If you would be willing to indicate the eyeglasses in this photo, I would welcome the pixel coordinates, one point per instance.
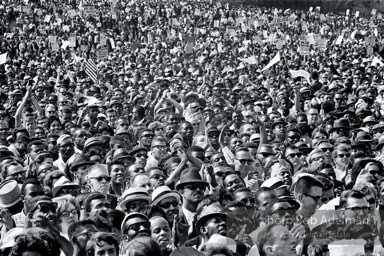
(245, 161)
(315, 198)
(136, 227)
(73, 192)
(327, 149)
(141, 155)
(214, 134)
(295, 155)
(66, 214)
(343, 155)
(99, 179)
(238, 142)
(195, 186)
(168, 204)
(148, 135)
(356, 210)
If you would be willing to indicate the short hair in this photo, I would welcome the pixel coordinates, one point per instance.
(32, 181)
(72, 228)
(232, 204)
(349, 193)
(34, 143)
(327, 182)
(143, 246)
(265, 190)
(159, 139)
(90, 197)
(195, 149)
(116, 217)
(215, 249)
(305, 183)
(98, 237)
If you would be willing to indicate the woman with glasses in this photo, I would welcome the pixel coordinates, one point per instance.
(67, 212)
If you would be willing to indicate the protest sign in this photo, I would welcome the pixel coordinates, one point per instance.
(102, 53)
(304, 47)
(3, 58)
(300, 73)
(275, 60)
(339, 39)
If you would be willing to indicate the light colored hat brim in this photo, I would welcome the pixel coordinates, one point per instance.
(10, 204)
(128, 199)
(170, 194)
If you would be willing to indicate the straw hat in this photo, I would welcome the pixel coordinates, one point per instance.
(133, 194)
(10, 193)
(163, 192)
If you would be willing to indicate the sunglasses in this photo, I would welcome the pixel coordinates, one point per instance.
(344, 155)
(73, 192)
(195, 186)
(295, 155)
(99, 179)
(327, 149)
(141, 155)
(168, 204)
(147, 135)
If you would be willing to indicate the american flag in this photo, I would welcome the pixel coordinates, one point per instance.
(91, 70)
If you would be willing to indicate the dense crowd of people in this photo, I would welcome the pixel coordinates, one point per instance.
(143, 128)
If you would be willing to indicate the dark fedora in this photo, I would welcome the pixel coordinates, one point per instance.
(278, 121)
(188, 176)
(212, 129)
(283, 193)
(341, 123)
(364, 137)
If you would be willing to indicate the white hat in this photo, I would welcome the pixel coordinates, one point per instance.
(163, 192)
(222, 241)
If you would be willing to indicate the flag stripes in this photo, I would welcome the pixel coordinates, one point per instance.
(91, 70)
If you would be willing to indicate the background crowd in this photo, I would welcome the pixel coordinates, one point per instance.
(142, 128)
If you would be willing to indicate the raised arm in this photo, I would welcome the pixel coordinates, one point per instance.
(19, 110)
